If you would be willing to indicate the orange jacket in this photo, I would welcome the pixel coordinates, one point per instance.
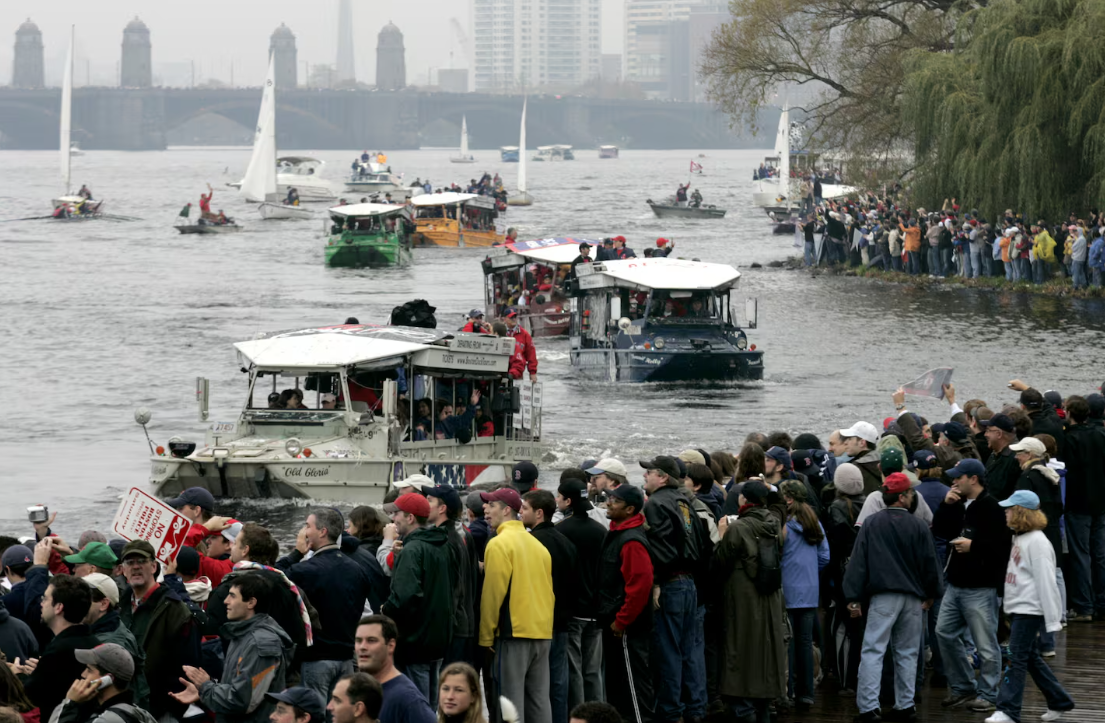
(912, 238)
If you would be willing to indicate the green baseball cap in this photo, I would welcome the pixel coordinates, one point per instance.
(95, 553)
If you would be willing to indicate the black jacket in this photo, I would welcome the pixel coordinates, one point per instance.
(673, 540)
(364, 554)
(481, 533)
(466, 570)
(1084, 455)
(338, 588)
(1046, 421)
(1045, 483)
(24, 602)
(1002, 473)
(565, 575)
(983, 522)
(16, 638)
(893, 553)
(587, 536)
(58, 668)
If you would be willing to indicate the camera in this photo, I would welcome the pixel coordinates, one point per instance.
(38, 513)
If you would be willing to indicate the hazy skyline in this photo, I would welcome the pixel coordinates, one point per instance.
(219, 36)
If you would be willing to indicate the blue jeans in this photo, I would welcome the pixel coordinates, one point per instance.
(947, 265)
(322, 675)
(975, 255)
(1024, 657)
(425, 678)
(934, 261)
(929, 639)
(1078, 272)
(892, 619)
(965, 264)
(1086, 541)
(1041, 271)
(914, 259)
(1010, 271)
(973, 609)
(558, 676)
(1095, 274)
(896, 262)
(808, 253)
(678, 653)
(800, 653)
(987, 255)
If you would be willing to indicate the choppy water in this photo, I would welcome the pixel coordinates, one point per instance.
(100, 318)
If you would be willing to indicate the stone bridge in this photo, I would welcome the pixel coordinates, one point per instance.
(124, 119)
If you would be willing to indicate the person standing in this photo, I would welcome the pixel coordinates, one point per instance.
(623, 608)
(583, 258)
(445, 508)
(893, 571)
(357, 698)
(1002, 470)
(104, 622)
(1084, 455)
(675, 536)
(528, 350)
(1032, 602)
(421, 601)
(516, 609)
(375, 649)
(972, 521)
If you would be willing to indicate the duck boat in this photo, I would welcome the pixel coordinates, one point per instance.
(455, 220)
(374, 436)
(369, 234)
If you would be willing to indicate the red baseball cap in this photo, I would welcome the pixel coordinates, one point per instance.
(507, 495)
(412, 503)
(896, 482)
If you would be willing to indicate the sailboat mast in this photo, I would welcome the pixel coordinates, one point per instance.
(66, 113)
(522, 151)
(464, 136)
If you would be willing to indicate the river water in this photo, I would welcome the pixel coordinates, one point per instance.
(102, 317)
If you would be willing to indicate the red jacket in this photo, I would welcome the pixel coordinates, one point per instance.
(518, 360)
(528, 350)
(197, 533)
(215, 570)
(637, 571)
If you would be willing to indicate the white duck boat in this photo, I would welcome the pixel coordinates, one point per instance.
(521, 197)
(465, 156)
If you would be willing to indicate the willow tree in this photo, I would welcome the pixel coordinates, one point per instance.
(1015, 116)
(848, 53)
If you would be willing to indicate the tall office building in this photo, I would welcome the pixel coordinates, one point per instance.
(282, 48)
(391, 63)
(136, 70)
(27, 68)
(522, 44)
(347, 71)
(664, 40)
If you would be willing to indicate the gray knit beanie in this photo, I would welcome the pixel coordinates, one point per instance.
(848, 479)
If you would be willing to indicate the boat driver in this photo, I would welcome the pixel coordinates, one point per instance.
(583, 258)
(329, 401)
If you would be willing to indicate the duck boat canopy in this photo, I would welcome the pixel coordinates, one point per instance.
(657, 273)
(452, 198)
(552, 251)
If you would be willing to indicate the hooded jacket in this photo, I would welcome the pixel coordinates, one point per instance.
(110, 629)
(363, 554)
(1097, 254)
(120, 709)
(868, 464)
(421, 598)
(1044, 245)
(1079, 249)
(1046, 421)
(1044, 481)
(16, 638)
(257, 661)
(517, 599)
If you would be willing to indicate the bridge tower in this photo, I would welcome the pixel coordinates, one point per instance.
(282, 48)
(391, 64)
(347, 70)
(27, 69)
(136, 70)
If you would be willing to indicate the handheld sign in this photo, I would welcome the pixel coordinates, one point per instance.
(144, 517)
(930, 384)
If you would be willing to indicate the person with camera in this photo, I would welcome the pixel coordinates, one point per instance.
(102, 694)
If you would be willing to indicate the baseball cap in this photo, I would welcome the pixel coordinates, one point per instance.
(418, 482)
(327, 397)
(140, 548)
(303, 698)
(610, 465)
(924, 459)
(629, 494)
(587, 464)
(1001, 421)
(1031, 398)
(524, 475)
(188, 561)
(661, 242)
(1022, 498)
(231, 533)
(891, 459)
(572, 489)
(507, 495)
(970, 467)
(896, 482)
(1029, 444)
(585, 245)
(17, 555)
(1054, 398)
(511, 312)
(197, 496)
(412, 503)
(667, 465)
(108, 658)
(475, 314)
(692, 456)
(94, 553)
(864, 430)
(780, 455)
(954, 431)
(105, 585)
(448, 495)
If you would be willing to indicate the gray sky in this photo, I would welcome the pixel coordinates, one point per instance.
(218, 34)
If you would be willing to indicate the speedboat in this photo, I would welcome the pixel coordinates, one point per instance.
(205, 227)
(373, 177)
(554, 153)
(509, 154)
(529, 276)
(369, 234)
(304, 175)
(376, 433)
(659, 320)
(670, 208)
(608, 151)
(455, 220)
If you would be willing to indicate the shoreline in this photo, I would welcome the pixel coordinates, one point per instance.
(1056, 287)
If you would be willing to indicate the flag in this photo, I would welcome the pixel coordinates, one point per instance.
(696, 167)
(930, 384)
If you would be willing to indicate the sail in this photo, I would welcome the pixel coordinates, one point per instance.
(463, 137)
(782, 146)
(66, 113)
(522, 152)
(259, 183)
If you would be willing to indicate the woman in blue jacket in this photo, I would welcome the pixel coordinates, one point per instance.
(805, 554)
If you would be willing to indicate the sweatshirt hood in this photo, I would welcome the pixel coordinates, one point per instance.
(1051, 475)
(430, 534)
(238, 628)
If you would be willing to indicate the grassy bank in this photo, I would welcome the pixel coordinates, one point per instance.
(1057, 286)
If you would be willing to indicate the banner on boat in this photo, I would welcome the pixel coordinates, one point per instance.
(144, 517)
(930, 384)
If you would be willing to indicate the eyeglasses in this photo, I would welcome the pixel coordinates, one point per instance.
(133, 561)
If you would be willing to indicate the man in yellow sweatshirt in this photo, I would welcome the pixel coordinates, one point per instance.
(516, 610)
(1044, 247)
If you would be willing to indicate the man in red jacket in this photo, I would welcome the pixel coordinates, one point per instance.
(624, 587)
(528, 351)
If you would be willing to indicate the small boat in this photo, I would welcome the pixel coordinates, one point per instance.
(77, 207)
(373, 177)
(373, 436)
(202, 227)
(369, 234)
(783, 222)
(281, 211)
(670, 209)
(553, 153)
(436, 220)
(529, 276)
(521, 197)
(74, 150)
(509, 154)
(608, 151)
(660, 320)
(771, 193)
(305, 175)
(465, 156)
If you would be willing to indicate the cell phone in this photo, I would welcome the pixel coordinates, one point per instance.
(38, 513)
(731, 518)
(104, 682)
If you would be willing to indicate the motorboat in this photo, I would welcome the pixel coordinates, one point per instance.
(521, 196)
(369, 234)
(670, 208)
(305, 175)
(377, 432)
(509, 154)
(75, 150)
(455, 220)
(373, 177)
(660, 320)
(465, 156)
(206, 227)
(554, 153)
(530, 277)
(70, 206)
(284, 211)
(608, 151)
(772, 193)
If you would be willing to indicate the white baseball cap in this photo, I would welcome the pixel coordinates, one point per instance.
(105, 585)
(864, 430)
(610, 465)
(417, 481)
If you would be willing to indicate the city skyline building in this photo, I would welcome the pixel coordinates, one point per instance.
(28, 68)
(391, 62)
(136, 68)
(664, 42)
(347, 71)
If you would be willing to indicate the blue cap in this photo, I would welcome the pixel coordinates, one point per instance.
(924, 459)
(780, 455)
(969, 467)
(1022, 498)
(197, 496)
(630, 494)
(306, 699)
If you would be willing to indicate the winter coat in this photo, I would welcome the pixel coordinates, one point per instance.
(338, 587)
(1079, 249)
(587, 535)
(983, 521)
(58, 668)
(24, 602)
(257, 662)
(1044, 481)
(565, 573)
(753, 652)
(912, 238)
(16, 638)
(802, 564)
(466, 569)
(1084, 454)
(120, 709)
(946, 457)
(421, 600)
(671, 533)
(164, 628)
(893, 554)
(529, 350)
(624, 585)
(379, 583)
(517, 599)
(868, 464)
(1002, 473)
(1097, 254)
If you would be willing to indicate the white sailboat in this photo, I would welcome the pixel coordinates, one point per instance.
(465, 156)
(521, 197)
(67, 198)
(780, 193)
(259, 184)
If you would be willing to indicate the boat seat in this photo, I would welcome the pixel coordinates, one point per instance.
(360, 407)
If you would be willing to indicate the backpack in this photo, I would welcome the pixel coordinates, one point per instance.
(769, 570)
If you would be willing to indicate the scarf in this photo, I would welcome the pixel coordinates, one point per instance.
(247, 565)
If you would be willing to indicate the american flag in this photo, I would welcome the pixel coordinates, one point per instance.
(452, 475)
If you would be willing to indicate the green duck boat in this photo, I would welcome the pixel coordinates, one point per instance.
(369, 234)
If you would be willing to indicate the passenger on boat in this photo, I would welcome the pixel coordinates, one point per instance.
(62, 211)
(292, 399)
(329, 401)
(448, 423)
(85, 193)
(606, 251)
(529, 351)
(365, 157)
(293, 197)
(475, 323)
(274, 401)
(621, 251)
(698, 309)
(583, 258)
(222, 219)
(696, 199)
(663, 247)
(205, 204)
(186, 211)
(681, 195)
(417, 183)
